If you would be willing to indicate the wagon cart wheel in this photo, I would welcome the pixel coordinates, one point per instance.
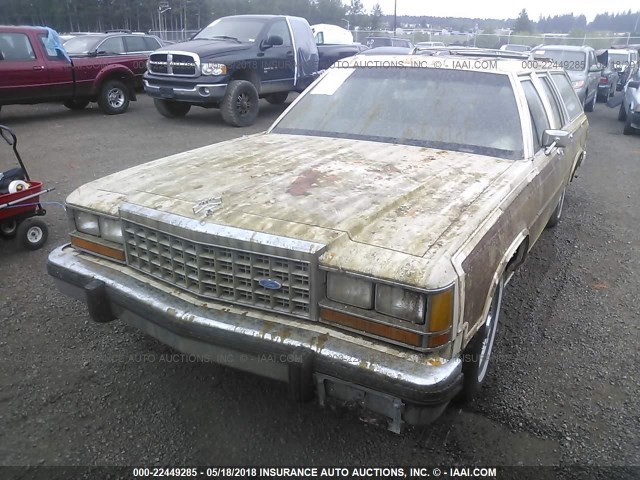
(33, 233)
(477, 355)
(8, 228)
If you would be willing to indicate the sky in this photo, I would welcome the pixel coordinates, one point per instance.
(503, 9)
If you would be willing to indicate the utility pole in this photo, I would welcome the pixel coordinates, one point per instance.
(395, 17)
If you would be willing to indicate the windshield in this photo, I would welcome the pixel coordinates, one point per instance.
(82, 44)
(459, 110)
(237, 28)
(567, 59)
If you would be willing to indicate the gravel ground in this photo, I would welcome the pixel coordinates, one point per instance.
(563, 388)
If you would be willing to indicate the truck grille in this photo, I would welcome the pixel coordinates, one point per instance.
(173, 64)
(220, 273)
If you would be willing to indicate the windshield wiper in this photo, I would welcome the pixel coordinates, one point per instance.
(225, 37)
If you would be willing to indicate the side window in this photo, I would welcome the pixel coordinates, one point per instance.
(538, 114)
(555, 107)
(571, 101)
(52, 53)
(151, 43)
(135, 43)
(280, 29)
(320, 38)
(112, 45)
(15, 47)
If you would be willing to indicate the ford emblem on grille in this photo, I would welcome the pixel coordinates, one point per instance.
(270, 284)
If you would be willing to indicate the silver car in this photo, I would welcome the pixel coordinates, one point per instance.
(581, 64)
(630, 107)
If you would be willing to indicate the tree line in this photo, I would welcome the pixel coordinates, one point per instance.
(143, 15)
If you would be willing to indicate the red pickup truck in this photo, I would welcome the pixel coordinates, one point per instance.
(33, 70)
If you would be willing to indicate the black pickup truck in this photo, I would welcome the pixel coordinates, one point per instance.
(234, 62)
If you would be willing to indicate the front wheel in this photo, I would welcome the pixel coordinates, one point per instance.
(114, 97)
(33, 233)
(628, 129)
(171, 108)
(277, 98)
(76, 104)
(240, 104)
(591, 106)
(477, 355)
(557, 213)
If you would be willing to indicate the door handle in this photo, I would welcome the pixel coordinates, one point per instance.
(38, 67)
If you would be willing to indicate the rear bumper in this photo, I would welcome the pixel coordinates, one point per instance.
(401, 386)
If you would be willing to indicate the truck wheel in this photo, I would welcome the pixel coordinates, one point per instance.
(628, 129)
(277, 98)
(477, 355)
(240, 104)
(170, 108)
(33, 233)
(622, 113)
(557, 213)
(76, 104)
(114, 97)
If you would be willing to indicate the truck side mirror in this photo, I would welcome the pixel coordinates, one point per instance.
(555, 138)
(272, 41)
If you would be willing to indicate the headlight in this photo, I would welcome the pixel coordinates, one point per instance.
(213, 69)
(577, 83)
(110, 230)
(87, 223)
(401, 303)
(354, 291)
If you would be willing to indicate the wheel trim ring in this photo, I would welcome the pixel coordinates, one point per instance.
(34, 234)
(487, 344)
(115, 97)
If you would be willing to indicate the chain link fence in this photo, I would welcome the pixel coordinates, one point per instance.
(174, 35)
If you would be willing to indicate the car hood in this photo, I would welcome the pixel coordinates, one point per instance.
(404, 199)
(206, 48)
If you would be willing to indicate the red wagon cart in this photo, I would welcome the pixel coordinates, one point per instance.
(20, 202)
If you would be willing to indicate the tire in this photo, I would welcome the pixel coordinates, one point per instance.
(171, 109)
(622, 113)
(277, 98)
(8, 228)
(628, 129)
(557, 213)
(240, 104)
(33, 233)
(114, 97)
(591, 106)
(477, 355)
(76, 104)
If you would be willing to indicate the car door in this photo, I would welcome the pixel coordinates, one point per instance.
(59, 71)
(135, 44)
(278, 61)
(23, 76)
(593, 77)
(551, 166)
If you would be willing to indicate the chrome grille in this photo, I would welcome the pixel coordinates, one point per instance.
(173, 64)
(218, 272)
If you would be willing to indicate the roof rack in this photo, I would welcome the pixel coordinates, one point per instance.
(471, 52)
(118, 30)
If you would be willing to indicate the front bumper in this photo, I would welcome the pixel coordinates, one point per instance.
(315, 360)
(200, 93)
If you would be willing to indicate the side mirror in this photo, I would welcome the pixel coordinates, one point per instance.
(634, 84)
(272, 41)
(555, 138)
(596, 68)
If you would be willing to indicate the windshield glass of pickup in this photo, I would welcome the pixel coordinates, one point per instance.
(567, 59)
(458, 110)
(82, 44)
(232, 28)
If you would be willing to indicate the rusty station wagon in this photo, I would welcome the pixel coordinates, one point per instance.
(357, 250)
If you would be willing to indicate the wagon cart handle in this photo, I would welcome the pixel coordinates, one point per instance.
(11, 139)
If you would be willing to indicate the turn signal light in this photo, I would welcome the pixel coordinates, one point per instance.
(100, 249)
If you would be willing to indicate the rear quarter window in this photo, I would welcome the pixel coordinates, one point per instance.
(16, 47)
(151, 43)
(569, 97)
